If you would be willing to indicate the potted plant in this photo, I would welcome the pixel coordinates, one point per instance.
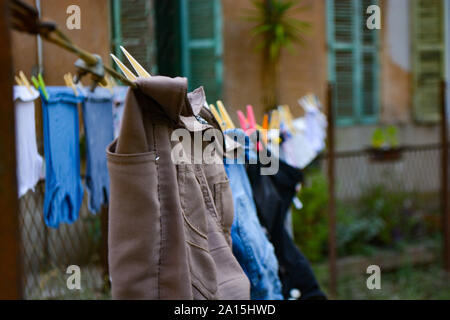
(385, 146)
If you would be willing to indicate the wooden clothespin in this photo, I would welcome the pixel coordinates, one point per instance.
(136, 66)
(69, 82)
(18, 81)
(107, 85)
(130, 75)
(274, 127)
(113, 82)
(25, 81)
(287, 117)
(225, 116)
(218, 118)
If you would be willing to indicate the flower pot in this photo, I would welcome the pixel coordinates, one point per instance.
(385, 154)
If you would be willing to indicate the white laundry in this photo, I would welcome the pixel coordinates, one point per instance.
(29, 161)
(315, 124)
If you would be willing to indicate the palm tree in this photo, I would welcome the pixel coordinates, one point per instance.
(276, 29)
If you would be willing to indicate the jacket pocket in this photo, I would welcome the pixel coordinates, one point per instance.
(134, 228)
(223, 199)
(202, 266)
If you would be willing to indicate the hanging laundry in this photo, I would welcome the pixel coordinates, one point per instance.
(169, 224)
(120, 92)
(315, 123)
(99, 131)
(250, 245)
(273, 196)
(296, 150)
(29, 161)
(63, 187)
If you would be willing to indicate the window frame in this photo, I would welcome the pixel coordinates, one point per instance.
(357, 48)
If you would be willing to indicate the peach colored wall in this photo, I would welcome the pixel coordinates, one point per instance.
(94, 36)
(301, 72)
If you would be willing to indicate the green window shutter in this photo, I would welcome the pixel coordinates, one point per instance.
(369, 68)
(353, 61)
(428, 58)
(201, 35)
(342, 71)
(116, 26)
(133, 28)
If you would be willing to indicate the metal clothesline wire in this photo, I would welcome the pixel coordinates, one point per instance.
(26, 19)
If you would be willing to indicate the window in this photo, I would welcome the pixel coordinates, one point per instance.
(132, 27)
(201, 45)
(428, 58)
(353, 61)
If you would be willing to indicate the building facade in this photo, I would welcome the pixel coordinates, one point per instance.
(386, 76)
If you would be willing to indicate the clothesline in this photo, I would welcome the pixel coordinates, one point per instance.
(26, 19)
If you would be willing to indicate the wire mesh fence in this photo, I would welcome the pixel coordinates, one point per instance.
(48, 252)
(411, 169)
(387, 198)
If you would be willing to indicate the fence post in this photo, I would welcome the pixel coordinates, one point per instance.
(10, 264)
(104, 247)
(444, 175)
(331, 196)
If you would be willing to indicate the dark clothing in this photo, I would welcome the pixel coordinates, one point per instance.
(273, 196)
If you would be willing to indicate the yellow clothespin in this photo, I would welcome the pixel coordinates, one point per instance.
(69, 82)
(25, 81)
(288, 118)
(65, 80)
(225, 116)
(107, 85)
(219, 119)
(136, 66)
(112, 82)
(274, 127)
(18, 81)
(130, 76)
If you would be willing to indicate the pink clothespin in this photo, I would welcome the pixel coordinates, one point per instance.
(251, 119)
(252, 125)
(243, 121)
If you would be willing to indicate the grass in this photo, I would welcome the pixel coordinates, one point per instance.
(406, 283)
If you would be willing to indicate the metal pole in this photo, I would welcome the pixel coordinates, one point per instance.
(10, 264)
(331, 196)
(444, 182)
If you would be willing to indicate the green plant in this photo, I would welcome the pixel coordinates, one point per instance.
(310, 222)
(386, 137)
(276, 28)
(391, 136)
(378, 138)
(355, 233)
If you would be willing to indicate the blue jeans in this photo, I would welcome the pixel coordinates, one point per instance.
(250, 245)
